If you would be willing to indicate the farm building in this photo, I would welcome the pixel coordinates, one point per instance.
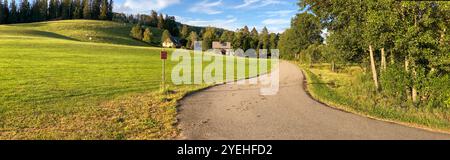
(222, 46)
(171, 42)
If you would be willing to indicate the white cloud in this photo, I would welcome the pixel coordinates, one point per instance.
(277, 25)
(276, 21)
(280, 13)
(229, 23)
(206, 7)
(143, 6)
(258, 3)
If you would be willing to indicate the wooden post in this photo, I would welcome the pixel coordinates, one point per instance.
(408, 90)
(333, 67)
(392, 57)
(163, 74)
(413, 89)
(383, 60)
(374, 69)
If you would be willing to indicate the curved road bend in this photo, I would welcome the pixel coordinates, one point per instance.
(239, 112)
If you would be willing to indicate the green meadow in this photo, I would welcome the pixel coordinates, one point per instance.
(82, 79)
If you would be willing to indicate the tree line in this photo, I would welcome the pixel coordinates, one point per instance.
(405, 45)
(187, 35)
(241, 38)
(44, 10)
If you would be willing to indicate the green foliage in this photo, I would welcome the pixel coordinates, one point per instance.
(313, 54)
(14, 15)
(184, 32)
(166, 35)
(434, 89)
(394, 82)
(87, 10)
(43, 10)
(136, 32)
(411, 32)
(351, 90)
(148, 36)
(2, 13)
(208, 37)
(305, 30)
(104, 10)
(77, 9)
(191, 39)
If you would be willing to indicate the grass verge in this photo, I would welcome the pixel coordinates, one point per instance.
(350, 90)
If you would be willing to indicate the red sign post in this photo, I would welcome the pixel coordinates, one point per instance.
(163, 58)
(163, 55)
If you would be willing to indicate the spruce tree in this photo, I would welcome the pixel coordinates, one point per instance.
(14, 15)
(95, 12)
(43, 9)
(52, 9)
(34, 11)
(1, 13)
(5, 11)
(110, 9)
(161, 22)
(87, 9)
(25, 11)
(103, 10)
(66, 8)
(77, 9)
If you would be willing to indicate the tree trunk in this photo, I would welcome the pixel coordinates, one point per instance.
(333, 66)
(413, 89)
(408, 89)
(383, 60)
(392, 57)
(374, 69)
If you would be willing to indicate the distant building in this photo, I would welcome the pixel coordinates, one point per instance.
(222, 46)
(171, 42)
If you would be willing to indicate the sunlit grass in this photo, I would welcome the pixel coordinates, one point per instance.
(352, 90)
(55, 86)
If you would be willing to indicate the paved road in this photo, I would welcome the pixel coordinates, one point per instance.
(239, 112)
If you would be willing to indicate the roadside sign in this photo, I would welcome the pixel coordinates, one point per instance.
(164, 55)
(163, 58)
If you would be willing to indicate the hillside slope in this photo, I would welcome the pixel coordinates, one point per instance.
(78, 30)
(55, 83)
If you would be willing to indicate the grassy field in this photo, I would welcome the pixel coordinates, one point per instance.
(77, 30)
(351, 90)
(57, 84)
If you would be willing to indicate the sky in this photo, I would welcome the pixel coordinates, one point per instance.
(227, 14)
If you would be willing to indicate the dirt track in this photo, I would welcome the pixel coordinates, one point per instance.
(239, 112)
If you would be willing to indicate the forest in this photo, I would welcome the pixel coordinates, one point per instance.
(403, 47)
(45, 10)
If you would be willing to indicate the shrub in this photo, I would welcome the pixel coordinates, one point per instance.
(136, 32)
(435, 91)
(394, 82)
(148, 36)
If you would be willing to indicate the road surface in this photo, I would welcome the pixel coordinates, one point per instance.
(239, 112)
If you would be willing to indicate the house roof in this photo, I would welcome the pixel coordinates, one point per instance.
(174, 40)
(221, 45)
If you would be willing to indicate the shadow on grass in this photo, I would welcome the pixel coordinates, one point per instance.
(47, 34)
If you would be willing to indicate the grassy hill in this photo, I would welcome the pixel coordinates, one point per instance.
(57, 84)
(78, 30)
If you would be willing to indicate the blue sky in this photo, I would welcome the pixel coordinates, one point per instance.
(228, 14)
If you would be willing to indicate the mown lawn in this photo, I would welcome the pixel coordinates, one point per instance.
(352, 90)
(58, 87)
